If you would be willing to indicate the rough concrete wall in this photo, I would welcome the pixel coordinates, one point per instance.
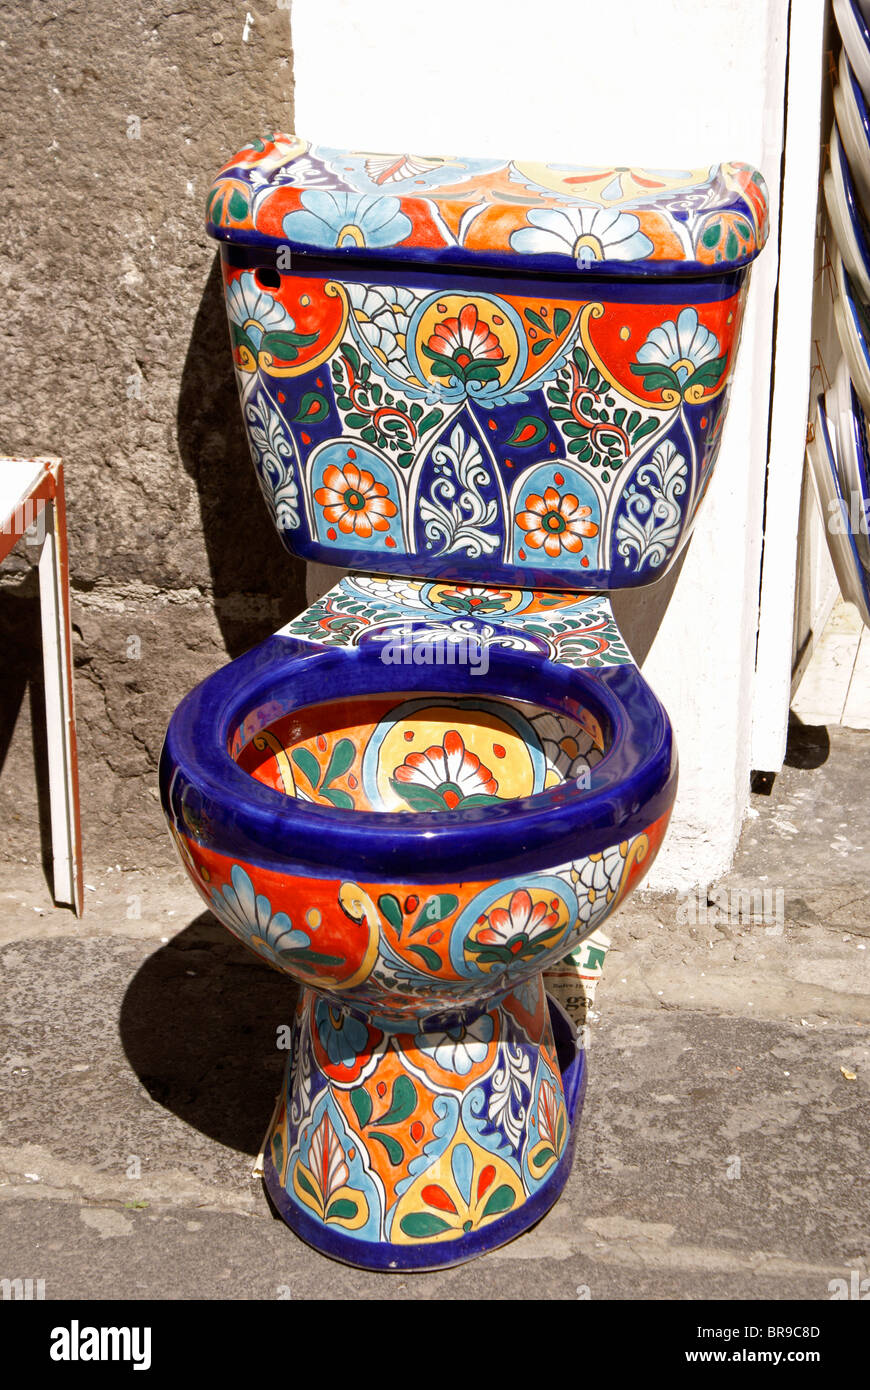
(116, 119)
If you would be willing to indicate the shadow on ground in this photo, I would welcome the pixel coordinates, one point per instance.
(199, 1026)
(808, 745)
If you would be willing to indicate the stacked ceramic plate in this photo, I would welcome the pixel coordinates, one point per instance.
(839, 454)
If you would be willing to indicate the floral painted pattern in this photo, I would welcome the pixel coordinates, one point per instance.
(415, 1113)
(522, 929)
(458, 1048)
(446, 776)
(382, 313)
(249, 915)
(472, 1191)
(342, 1036)
(585, 234)
(262, 331)
(680, 355)
(556, 522)
(352, 500)
(314, 196)
(347, 219)
(322, 1185)
(551, 1123)
(465, 347)
(570, 750)
(618, 184)
(578, 629)
(599, 878)
(488, 437)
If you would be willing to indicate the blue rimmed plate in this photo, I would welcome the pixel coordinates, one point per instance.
(851, 429)
(853, 123)
(853, 330)
(856, 39)
(847, 220)
(824, 467)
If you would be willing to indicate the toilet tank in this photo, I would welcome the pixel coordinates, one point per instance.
(482, 370)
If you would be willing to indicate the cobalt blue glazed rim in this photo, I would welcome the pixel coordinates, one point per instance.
(207, 795)
(397, 1259)
(470, 270)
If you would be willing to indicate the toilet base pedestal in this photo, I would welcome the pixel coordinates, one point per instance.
(403, 1149)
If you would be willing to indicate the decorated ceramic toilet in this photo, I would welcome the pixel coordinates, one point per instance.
(492, 392)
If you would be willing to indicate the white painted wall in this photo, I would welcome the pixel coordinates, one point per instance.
(666, 84)
(807, 73)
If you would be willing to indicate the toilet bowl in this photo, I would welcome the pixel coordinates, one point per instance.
(493, 393)
(414, 844)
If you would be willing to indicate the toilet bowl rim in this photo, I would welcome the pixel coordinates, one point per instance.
(208, 796)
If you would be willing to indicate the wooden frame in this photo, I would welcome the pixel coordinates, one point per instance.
(32, 490)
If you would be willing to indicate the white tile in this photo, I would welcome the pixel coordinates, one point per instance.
(821, 695)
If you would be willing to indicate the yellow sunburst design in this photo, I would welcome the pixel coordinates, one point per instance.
(495, 742)
(512, 598)
(449, 306)
(435, 1209)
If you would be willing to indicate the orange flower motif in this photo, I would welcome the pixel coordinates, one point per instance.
(447, 775)
(465, 339)
(351, 498)
(521, 922)
(556, 522)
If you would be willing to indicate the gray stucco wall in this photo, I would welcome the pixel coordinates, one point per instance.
(116, 119)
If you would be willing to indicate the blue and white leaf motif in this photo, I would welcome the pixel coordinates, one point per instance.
(458, 521)
(511, 1079)
(650, 529)
(274, 459)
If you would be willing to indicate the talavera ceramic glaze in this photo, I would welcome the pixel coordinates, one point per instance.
(493, 391)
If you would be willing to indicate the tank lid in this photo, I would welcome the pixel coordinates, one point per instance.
(510, 215)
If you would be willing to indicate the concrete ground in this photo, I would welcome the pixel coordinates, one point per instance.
(722, 1151)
